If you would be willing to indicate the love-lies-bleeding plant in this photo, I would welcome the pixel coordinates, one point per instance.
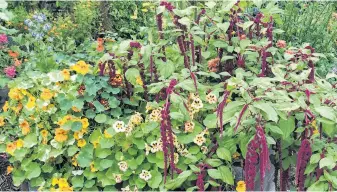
(253, 158)
(167, 133)
(304, 154)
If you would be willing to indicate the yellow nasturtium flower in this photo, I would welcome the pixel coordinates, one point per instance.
(66, 74)
(10, 148)
(46, 94)
(5, 107)
(81, 67)
(15, 94)
(241, 186)
(31, 102)
(107, 135)
(2, 121)
(81, 143)
(19, 143)
(139, 81)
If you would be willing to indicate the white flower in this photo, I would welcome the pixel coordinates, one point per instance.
(211, 98)
(119, 126)
(199, 139)
(136, 119)
(147, 149)
(118, 178)
(204, 149)
(189, 127)
(126, 189)
(176, 158)
(123, 166)
(145, 175)
(155, 146)
(197, 104)
(155, 115)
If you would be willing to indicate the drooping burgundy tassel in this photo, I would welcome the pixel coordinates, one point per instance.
(219, 111)
(312, 72)
(127, 83)
(303, 158)
(259, 143)
(101, 68)
(251, 163)
(243, 110)
(167, 134)
(270, 32)
(264, 64)
(192, 49)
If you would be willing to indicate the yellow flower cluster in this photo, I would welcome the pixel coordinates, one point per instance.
(25, 128)
(61, 135)
(81, 67)
(62, 184)
(11, 147)
(241, 186)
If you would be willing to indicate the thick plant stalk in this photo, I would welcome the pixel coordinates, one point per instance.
(159, 19)
(303, 155)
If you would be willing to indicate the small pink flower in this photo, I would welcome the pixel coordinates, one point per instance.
(281, 44)
(10, 71)
(3, 39)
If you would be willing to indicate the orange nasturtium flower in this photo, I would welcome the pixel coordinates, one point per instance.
(25, 127)
(61, 135)
(10, 148)
(13, 54)
(9, 169)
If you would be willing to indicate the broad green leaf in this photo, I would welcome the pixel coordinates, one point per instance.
(327, 112)
(223, 26)
(327, 162)
(155, 180)
(177, 182)
(287, 126)
(226, 175)
(268, 111)
(100, 118)
(224, 153)
(33, 170)
(210, 121)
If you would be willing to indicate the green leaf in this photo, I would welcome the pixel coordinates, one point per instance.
(33, 170)
(106, 163)
(214, 162)
(185, 21)
(30, 140)
(224, 153)
(210, 4)
(268, 111)
(327, 112)
(327, 162)
(214, 173)
(100, 118)
(72, 150)
(155, 180)
(287, 126)
(210, 121)
(102, 153)
(131, 75)
(77, 181)
(177, 182)
(223, 26)
(76, 126)
(319, 186)
(226, 175)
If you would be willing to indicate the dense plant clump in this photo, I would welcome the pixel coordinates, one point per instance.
(206, 88)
